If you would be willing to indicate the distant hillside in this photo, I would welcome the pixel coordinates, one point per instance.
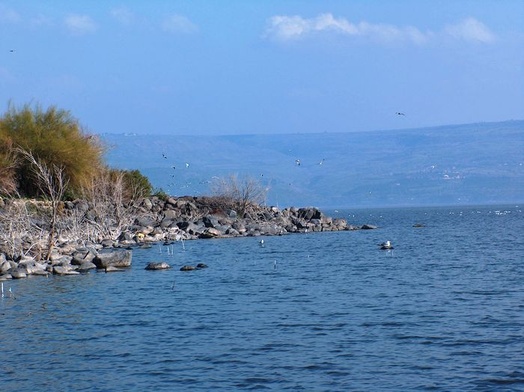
(456, 164)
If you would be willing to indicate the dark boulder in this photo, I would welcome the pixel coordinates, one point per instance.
(187, 268)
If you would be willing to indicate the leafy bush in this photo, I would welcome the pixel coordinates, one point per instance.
(161, 194)
(136, 184)
(54, 138)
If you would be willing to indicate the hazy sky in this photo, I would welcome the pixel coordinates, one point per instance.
(272, 66)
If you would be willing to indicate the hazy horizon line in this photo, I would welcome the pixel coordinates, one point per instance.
(310, 133)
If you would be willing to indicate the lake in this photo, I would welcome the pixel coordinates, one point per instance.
(442, 311)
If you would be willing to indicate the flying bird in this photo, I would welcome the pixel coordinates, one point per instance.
(400, 114)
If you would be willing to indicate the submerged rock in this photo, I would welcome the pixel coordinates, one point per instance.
(187, 268)
(157, 266)
(111, 268)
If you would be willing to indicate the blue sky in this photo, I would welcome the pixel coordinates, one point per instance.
(274, 66)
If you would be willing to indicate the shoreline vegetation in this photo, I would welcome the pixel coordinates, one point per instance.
(102, 237)
(64, 211)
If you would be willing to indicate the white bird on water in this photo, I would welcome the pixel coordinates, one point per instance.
(386, 245)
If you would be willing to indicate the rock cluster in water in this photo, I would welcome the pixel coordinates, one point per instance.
(163, 220)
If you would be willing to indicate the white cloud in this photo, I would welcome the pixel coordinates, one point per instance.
(292, 28)
(41, 21)
(472, 30)
(178, 24)
(80, 24)
(8, 15)
(286, 28)
(123, 15)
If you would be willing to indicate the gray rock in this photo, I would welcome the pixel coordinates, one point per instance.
(145, 221)
(187, 268)
(83, 255)
(167, 222)
(239, 226)
(6, 266)
(86, 266)
(119, 259)
(40, 273)
(63, 270)
(147, 204)
(157, 266)
(107, 243)
(18, 273)
(30, 267)
(113, 269)
(232, 232)
(210, 221)
(171, 214)
(210, 233)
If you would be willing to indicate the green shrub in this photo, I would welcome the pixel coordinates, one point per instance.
(136, 184)
(53, 137)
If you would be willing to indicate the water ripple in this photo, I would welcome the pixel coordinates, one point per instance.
(333, 313)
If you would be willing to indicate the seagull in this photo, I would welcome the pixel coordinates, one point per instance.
(164, 155)
(187, 165)
(386, 245)
(297, 162)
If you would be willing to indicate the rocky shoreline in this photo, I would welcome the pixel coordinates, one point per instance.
(152, 220)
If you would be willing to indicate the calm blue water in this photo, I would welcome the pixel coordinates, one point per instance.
(312, 312)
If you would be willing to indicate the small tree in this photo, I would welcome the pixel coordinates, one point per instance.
(52, 183)
(239, 193)
(111, 210)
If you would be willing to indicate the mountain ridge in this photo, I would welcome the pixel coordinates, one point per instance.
(479, 163)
